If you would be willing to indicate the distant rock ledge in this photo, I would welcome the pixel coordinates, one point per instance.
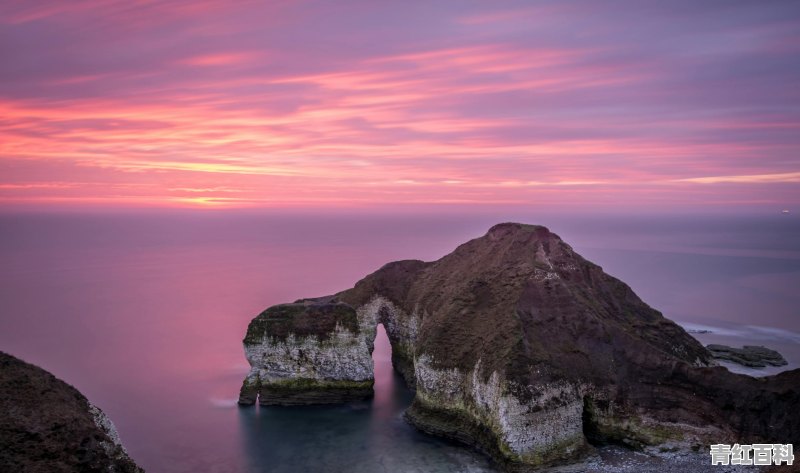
(522, 349)
(47, 426)
(750, 356)
(698, 330)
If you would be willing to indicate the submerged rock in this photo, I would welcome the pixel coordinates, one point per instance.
(520, 347)
(749, 355)
(48, 426)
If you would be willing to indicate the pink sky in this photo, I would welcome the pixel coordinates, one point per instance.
(626, 104)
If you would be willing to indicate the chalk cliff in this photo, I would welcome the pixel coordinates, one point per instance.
(520, 347)
(48, 426)
(309, 352)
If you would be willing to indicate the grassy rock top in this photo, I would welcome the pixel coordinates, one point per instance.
(302, 319)
(524, 303)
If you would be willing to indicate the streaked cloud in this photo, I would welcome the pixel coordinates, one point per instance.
(359, 103)
(788, 177)
(221, 59)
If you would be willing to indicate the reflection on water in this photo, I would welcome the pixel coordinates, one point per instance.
(369, 436)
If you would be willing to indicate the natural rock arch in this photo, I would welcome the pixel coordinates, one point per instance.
(520, 347)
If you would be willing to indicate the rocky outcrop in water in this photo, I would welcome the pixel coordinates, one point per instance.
(309, 352)
(520, 347)
(751, 356)
(47, 426)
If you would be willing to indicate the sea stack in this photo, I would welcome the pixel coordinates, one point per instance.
(521, 348)
(47, 426)
(309, 352)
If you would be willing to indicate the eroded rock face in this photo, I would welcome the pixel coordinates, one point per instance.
(520, 347)
(309, 352)
(48, 426)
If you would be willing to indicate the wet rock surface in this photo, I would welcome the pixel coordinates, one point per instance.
(48, 426)
(521, 348)
(751, 356)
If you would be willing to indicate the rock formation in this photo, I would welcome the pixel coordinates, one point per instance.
(749, 355)
(309, 352)
(520, 347)
(47, 426)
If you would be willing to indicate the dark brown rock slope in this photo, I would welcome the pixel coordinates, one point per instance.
(522, 348)
(47, 426)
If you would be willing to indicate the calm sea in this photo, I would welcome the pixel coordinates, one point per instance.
(144, 313)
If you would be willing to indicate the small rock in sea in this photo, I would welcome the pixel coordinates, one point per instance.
(749, 355)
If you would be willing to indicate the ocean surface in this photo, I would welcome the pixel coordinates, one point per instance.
(145, 313)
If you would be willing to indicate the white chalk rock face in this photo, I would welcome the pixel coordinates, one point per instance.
(309, 352)
(526, 423)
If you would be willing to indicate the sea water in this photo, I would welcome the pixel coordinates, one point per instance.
(145, 312)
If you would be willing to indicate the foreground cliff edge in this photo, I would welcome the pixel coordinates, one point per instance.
(520, 347)
(48, 426)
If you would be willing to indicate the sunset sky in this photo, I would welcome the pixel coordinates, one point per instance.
(583, 104)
